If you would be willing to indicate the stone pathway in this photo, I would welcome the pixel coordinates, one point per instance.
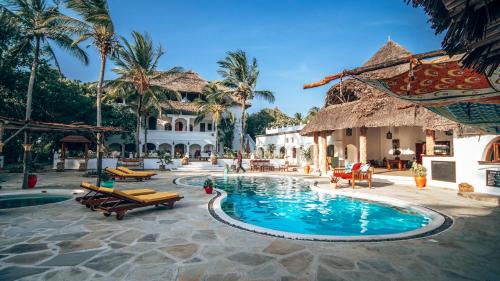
(66, 241)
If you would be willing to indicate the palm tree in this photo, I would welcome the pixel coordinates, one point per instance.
(312, 113)
(298, 117)
(96, 26)
(216, 103)
(136, 65)
(39, 26)
(241, 79)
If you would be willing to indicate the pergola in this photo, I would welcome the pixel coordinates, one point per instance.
(36, 126)
(74, 139)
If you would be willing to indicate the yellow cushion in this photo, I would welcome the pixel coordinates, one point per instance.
(157, 196)
(89, 186)
(141, 191)
(132, 172)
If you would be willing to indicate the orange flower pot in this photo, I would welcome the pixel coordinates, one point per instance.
(307, 169)
(420, 181)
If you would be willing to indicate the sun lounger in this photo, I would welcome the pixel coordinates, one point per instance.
(120, 202)
(94, 196)
(117, 174)
(132, 172)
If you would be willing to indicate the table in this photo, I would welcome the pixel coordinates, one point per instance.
(400, 163)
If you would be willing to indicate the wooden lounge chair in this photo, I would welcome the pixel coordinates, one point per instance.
(119, 175)
(354, 176)
(132, 172)
(94, 196)
(120, 202)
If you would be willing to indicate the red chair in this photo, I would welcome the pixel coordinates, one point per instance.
(354, 175)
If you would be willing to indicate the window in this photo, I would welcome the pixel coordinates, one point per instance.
(209, 127)
(152, 123)
(179, 126)
(168, 127)
(202, 127)
(493, 151)
(191, 127)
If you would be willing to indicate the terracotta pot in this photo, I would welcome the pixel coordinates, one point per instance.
(32, 179)
(421, 181)
(208, 189)
(307, 169)
(213, 160)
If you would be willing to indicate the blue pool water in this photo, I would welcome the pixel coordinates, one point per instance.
(284, 204)
(25, 200)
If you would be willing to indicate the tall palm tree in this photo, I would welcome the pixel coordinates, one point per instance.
(136, 65)
(312, 113)
(298, 117)
(215, 103)
(39, 26)
(240, 77)
(96, 26)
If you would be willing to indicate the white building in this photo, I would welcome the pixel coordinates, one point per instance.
(175, 130)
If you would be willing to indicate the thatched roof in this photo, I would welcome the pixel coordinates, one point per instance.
(370, 107)
(187, 82)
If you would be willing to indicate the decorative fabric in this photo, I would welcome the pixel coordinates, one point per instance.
(457, 93)
(364, 168)
(348, 167)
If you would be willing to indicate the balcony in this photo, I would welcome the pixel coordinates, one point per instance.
(162, 136)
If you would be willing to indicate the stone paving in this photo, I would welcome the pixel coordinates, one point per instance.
(66, 241)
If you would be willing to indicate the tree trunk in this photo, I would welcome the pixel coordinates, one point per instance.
(242, 119)
(146, 124)
(216, 139)
(138, 129)
(100, 139)
(29, 99)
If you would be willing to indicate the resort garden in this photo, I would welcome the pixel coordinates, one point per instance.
(152, 172)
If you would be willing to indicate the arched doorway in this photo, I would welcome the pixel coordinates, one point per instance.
(492, 151)
(282, 152)
(180, 124)
(352, 153)
(165, 147)
(294, 152)
(330, 150)
(208, 148)
(152, 123)
(151, 147)
(115, 147)
(195, 151)
(179, 150)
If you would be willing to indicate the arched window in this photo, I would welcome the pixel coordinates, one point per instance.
(330, 150)
(493, 151)
(294, 152)
(179, 126)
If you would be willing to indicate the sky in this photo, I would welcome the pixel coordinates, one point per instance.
(294, 41)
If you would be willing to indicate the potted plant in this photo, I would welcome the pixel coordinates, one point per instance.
(164, 160)
(226, 168)
(213, 159)
(334, 181)
(106, 180)
(306, 153)
(420, 173)
(32, 179)
(185, 160)
(208, 185)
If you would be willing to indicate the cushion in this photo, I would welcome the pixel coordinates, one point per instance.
(364, 168)
(356, 166)
(348, 167)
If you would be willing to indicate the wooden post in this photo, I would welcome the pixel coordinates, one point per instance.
(63, 152)
(26, 158)
(363, 150)
(322, 153)
(430, 141)
(315, 151)
(100, 148)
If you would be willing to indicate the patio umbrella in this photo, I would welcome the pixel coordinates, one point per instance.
(446, 88)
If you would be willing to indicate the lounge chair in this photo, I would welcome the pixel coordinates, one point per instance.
(94, 196)
(120, 202)
(132, 172)
(355, 175)
(119, 175)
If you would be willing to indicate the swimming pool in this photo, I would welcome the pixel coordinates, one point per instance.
(32, 199)
(288, 207)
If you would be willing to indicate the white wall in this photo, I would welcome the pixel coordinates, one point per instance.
(468, 151)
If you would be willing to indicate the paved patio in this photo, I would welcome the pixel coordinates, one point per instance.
(66, 241)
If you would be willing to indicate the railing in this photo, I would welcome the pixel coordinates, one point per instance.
(179, 135)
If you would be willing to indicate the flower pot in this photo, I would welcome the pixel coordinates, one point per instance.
(307, 169)
(208, 189)
(108, 184)
(421, 181)
(32, 179)
(213, 160)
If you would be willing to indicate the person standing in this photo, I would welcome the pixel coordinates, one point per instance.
(240, 162)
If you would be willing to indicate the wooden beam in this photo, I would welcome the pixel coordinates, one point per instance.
(363, 69)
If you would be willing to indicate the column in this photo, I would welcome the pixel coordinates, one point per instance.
(188, 124)
(363, 150)
(315, 151)
(322, 153)
(173, 123)
(430, 141)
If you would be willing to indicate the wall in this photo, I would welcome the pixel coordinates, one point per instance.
(468, 151)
